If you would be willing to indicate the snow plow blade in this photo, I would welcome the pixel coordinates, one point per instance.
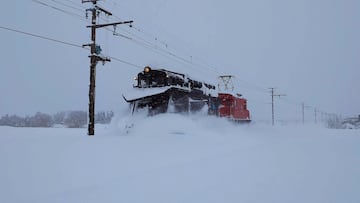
(171, 99)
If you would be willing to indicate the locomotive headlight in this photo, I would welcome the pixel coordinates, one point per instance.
(147, 69)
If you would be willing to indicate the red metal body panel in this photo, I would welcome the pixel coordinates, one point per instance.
(233, 107)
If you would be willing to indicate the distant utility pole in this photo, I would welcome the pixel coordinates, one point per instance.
(303, 112)
(95, 57)
(272, 102)
(303, 106)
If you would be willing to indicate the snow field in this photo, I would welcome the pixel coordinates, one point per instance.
(178, 158)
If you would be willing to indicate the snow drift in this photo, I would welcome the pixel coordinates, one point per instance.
(179, 158)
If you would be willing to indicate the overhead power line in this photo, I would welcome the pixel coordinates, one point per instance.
(126, 62)
(67, 5)
(164, 51)
(41, 37)
(148, 41)
(65, 43)
(56, 8)
(76, 4)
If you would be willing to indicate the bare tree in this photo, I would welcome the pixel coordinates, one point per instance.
(59, 117)
(76, 119)
(41, 120)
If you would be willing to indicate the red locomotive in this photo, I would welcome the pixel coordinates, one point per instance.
(227, 104)
(233, 107)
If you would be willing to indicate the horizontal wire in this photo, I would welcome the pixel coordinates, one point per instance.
(66, 5)
(56, 8)
(144, 43)
(65, 43)
(42, 37)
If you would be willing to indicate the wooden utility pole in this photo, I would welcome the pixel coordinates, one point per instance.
(95, 57)
(272, 103)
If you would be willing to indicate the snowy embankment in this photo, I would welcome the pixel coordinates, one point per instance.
(175, 158)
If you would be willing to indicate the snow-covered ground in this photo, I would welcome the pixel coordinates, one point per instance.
(177, 158)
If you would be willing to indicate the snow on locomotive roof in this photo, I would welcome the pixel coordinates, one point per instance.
(184, 76)
(171, 73)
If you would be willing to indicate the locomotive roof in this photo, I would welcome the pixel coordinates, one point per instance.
(167, 71)
(184, 76)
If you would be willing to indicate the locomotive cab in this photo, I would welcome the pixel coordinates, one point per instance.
(150, 78)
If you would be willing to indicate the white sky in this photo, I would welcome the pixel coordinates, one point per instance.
(307, 49)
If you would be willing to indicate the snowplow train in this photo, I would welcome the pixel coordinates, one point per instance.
(161, 91)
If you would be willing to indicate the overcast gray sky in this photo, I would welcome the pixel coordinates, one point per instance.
(307, 49)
